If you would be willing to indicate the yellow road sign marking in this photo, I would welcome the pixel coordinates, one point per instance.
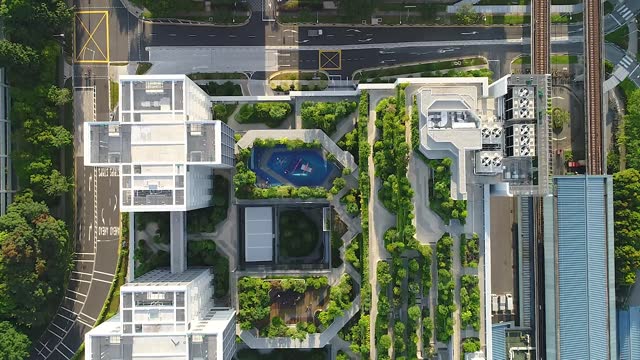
(330, 59)
(104, 50)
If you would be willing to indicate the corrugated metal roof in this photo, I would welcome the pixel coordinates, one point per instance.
(629, 334)
(582, 268)
(499, 339)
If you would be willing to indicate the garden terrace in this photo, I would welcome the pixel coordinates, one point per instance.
(470, 302)
(406, 279)
(293, 307)
(445, 307)
(325, 115)
(300, 164)
(270, 113)
(285, 236)
(470, 250)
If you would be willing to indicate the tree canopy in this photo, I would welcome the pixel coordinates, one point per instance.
(13, 344)
(34, 259)
(626, 202)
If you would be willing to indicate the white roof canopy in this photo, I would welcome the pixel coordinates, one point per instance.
(258, 234)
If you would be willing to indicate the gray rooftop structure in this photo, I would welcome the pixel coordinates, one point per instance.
(579, 269)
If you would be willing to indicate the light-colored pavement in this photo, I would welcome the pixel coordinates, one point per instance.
(379, 218)
(516, 9)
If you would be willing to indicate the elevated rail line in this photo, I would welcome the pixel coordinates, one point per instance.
(593, 43)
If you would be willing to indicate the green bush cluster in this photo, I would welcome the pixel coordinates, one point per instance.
(470, 302)
(470, 345)
(391, 154)
(159, 218)
(421, 68)
(351, 200)
(203, 253)
(440, 200)
(147, 260)
(356, 332)
(340, 297)
(255, 303)
(227, 88)
(290, 144)
(392, 158)
(352, 252)
(223, 111)
(445, 307)
(338, 184)
(361, 347)
(626, 204)
(325, 115)
(270, 113)
(470, 250)
(206, 219)
(349, 142)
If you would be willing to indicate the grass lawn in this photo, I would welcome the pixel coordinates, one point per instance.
(420, 68)
(223, 115)
(566, 19)
(142, 68)
(619, 37)
(555, 59)
(114, 93)
(627, 87)
(298, 234)
(216, 76)
(509, 19)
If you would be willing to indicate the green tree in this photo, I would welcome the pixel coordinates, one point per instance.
(467, 15)
(626, 204)
(58, 96)
(34, 22)
(559, 118)
(13, 344)
(34, 260)
(17, 57)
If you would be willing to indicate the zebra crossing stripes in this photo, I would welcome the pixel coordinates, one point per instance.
(626, 61)
(624, 11)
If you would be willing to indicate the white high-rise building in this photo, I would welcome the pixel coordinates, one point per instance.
(164, 144)
(166, 316)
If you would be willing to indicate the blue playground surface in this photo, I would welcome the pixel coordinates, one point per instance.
(300, 167)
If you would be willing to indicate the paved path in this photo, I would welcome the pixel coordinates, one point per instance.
(379, 218)
(516, 9)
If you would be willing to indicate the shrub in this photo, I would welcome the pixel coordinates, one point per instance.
(325, 115)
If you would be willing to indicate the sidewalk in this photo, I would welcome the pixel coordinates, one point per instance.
(515, 9)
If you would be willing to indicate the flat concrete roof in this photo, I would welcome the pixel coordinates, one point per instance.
(258, 234)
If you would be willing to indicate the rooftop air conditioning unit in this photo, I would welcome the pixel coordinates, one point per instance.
(195, 156)
(486, 133)
(496, 132)
(486, 161)
(523, 92)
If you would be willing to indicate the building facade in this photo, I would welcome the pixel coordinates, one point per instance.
(166, 316)
(580, 321)
(164, 144)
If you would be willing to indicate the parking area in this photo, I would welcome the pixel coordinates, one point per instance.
(503, 253)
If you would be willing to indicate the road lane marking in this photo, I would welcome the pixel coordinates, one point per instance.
(104, 281)
(102, 272)
(330, 59)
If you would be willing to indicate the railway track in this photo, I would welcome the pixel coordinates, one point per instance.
(541, 44)
(593, 85)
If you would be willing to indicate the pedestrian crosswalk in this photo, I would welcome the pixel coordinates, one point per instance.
(624, 11)
(626, 61)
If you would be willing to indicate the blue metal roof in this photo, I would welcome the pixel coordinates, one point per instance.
(583, 301)
(629, 334)
(499, 341)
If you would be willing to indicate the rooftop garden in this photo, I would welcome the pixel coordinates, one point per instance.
(470, 250)
(292, 307)
(325, 115)
(286, 169)
(270, 113)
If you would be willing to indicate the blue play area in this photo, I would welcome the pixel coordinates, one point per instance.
(300, 167)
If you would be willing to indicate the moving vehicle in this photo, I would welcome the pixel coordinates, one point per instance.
(509, 303)
(494, 303)
(315, 32)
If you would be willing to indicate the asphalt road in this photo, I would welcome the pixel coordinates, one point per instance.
(97, 213)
